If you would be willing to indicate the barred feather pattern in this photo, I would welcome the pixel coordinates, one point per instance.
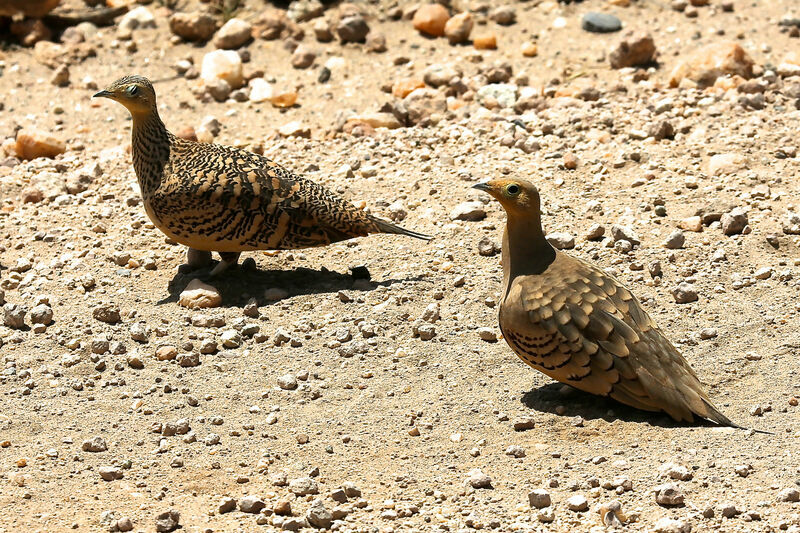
(219, 198)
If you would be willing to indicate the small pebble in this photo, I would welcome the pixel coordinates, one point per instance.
(675, 240)
(684, 293)
(168, 521)
(668, 494)
(515, 451)
(478, 480)
(577, 503)
(789, 495)
(546, 515)
(561, 240)
(729, 510)
(539, 498)
(303, 486)
(251, 504)
(486, 41)
(600, 22)
(487, 334)
(524, 424)
(95, 444)
(287, 382)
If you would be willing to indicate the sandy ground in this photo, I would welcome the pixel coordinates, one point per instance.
(401, 419)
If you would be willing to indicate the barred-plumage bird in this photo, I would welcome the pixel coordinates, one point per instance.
(215, 198)
(580, 326)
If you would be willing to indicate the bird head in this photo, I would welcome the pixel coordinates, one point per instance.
(136, 93)
(518, 197)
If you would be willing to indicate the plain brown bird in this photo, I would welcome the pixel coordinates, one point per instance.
(580, 326)
(215, 198)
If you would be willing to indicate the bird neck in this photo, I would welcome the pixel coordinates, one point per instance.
(150, 149)
(525, 248)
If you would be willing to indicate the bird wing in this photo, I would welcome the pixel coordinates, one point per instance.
(238, 195)
(580, 326)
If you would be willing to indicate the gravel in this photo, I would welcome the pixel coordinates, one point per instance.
(391, 365)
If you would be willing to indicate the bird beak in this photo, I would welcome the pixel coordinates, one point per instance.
(482, 186)
(103, 94)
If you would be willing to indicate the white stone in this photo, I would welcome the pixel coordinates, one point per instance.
(303, 486)
(287, 382)
(786, 70)
(223, 65)
(546, 515)
(539, 498)
(260, 90)
(674, 471)
(478, 480)
(763, 273)
(231, 339)
(721, 164)
(789, 495)
(668, 494)
(251, 504)
(791, 226)
(377, 120)
(295, 129)
(233, 34)
(561, 240)
(504, 93)
(139, 17)
(670, 525)
(487, 334)
(471, 211)
(577, 503)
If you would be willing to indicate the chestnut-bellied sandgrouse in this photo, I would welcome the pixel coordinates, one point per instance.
(580, 326)
(215, 198)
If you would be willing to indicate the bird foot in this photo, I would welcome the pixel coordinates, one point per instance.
(197, 259)
(227, 260)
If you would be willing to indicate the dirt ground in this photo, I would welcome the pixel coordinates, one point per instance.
(325, 400)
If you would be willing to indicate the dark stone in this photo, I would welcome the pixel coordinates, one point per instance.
(352, 29)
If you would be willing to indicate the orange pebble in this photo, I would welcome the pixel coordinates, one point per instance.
(485, 42)
(404, 87)
(430, 19)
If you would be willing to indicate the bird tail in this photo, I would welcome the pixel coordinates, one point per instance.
(385, 226)
(714, 415)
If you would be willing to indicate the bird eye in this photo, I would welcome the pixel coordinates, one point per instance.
(513, 189)
(133, 90)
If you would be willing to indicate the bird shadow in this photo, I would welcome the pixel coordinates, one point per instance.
(565, 401)
(238, 285)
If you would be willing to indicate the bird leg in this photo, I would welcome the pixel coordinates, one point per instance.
(197, 258)
(227, 259)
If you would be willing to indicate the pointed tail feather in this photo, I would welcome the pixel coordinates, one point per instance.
(714, 415)
(385, 226)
